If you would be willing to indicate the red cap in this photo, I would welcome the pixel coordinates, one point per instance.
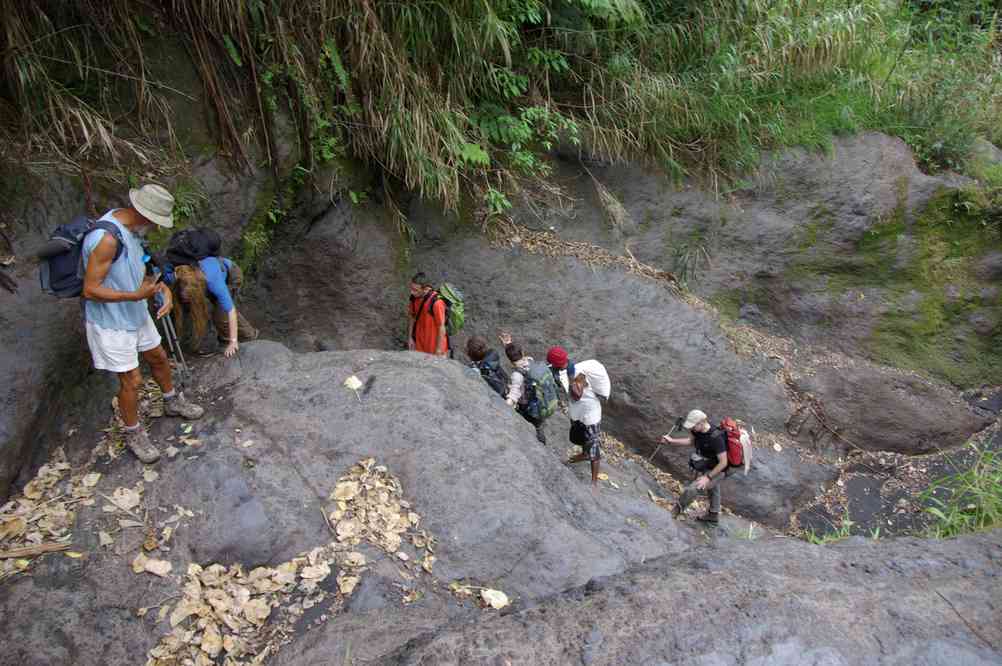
(557, 357)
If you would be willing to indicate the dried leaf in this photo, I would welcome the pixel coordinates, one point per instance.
(345, 490)
(353, 383)
(12, 527)
(150, 475)
(318, 572)
(105, 539)
(212, 642)
(91, 479)
(171, 451)
(428, 562)
(777, 447)
(125, 498)
(256, 610)
(602, 476)
(346, 584)
(156, 567)
(73, 554)
(347, 529)
(494, 598)
(354, 559)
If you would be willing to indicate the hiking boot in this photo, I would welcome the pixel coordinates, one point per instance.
(710, 518)
(179, 406)
(139, 443)
(540, 435)
(676, 511)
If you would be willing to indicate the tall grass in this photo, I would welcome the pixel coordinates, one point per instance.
(967, 501)
(455, 94)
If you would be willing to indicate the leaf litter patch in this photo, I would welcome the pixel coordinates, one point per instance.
(239, 618)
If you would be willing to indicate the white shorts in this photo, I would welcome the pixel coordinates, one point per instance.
(118, 351)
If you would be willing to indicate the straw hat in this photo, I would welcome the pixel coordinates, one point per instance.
(154, 203)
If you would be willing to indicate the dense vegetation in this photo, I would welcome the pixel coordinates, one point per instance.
(458, 95)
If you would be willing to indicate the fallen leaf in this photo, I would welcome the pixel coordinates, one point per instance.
(156, 567)
(428, 562)
(256, 610)
(403, 556)
(150, 475)
(91, 479)
(346, 584)
(12, 527)
(318, 572)
(494, 598)
(353, 383)
(212, 642)
(777, 447)
(354, 559)
(412, 596)
(125, 523)
(171, 451)
(249, 442)
(125, 498)
(602, 476)
(105, 539)
(73, 554)
(345, 490)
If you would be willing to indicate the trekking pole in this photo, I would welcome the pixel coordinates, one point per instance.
(177, 344)
(678, 424)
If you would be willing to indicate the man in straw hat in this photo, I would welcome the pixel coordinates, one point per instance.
(118, 322)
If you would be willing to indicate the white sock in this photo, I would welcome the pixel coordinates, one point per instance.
(171, 395)
(133, 428)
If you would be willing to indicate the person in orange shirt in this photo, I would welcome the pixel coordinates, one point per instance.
(427, 319)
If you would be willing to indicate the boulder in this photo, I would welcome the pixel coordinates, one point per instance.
(878, 409)
(257, 473)
(778, 601)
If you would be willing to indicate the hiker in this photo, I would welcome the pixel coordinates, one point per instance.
(709, 461)
(561, 366)
(488, 363)
(590, 382)
(427, 318)
(531, 388)
(207, 287)
(119, 326)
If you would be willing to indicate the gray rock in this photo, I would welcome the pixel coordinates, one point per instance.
(990, 266)
(781, 601)
(881, 410)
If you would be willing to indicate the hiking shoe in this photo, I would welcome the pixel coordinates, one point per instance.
(540, 436)
(139, 443)
(676, 511)
(710, 518)
(179, 406)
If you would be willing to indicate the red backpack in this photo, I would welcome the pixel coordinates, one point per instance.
(735, 449)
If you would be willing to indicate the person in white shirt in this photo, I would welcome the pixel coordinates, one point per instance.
(517, 395)
(590, 383)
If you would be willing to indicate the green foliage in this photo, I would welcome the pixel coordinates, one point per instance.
(472, 94)
(842, 531)
(968, 501)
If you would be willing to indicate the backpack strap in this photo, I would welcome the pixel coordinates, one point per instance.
(116, 233)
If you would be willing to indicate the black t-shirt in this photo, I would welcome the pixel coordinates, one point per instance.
(710, 444)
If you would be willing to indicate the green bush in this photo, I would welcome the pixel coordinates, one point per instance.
(967, 501)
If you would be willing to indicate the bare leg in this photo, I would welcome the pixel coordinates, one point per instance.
(594, 472)
(160, 366)
(128, 396)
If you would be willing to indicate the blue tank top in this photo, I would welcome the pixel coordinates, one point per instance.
(125, 274)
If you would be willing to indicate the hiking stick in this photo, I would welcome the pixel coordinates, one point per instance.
(678, 424)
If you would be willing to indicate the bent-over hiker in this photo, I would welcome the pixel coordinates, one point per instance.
(427, 318)
(709, 461)
(119, 326)
(488, 363)
(590, 383)
(208, 287)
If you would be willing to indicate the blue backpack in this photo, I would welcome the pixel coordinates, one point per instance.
(61, 271)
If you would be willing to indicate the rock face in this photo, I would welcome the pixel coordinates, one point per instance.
(43, 355)
(590, 572)
(504, 510)
(768, 602)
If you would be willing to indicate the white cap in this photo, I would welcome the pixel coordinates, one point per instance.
(154, 203)
(694, 417)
